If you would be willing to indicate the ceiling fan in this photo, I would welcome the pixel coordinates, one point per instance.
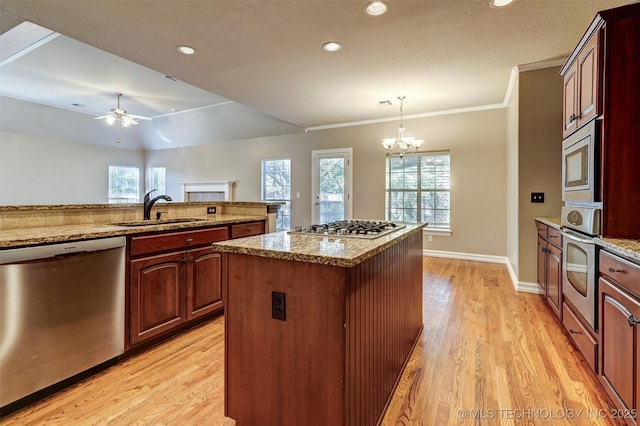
(121, 116)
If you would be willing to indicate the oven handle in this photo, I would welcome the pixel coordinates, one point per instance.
(576, 237)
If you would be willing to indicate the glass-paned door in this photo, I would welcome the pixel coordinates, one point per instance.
(331, 180)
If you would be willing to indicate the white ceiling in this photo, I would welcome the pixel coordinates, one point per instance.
(260, 70)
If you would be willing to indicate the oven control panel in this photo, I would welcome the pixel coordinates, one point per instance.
(582, 219)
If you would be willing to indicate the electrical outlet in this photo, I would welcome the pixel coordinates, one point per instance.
(278, 306)
(537, 197)
(211, 210)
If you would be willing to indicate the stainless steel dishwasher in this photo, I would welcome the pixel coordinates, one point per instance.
(61, 312)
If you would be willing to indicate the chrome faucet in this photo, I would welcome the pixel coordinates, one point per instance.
(149, 202)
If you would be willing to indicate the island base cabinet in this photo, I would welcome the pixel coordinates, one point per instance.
(335, 357)
(620, 348)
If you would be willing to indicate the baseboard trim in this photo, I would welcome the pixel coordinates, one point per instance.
(523, 286)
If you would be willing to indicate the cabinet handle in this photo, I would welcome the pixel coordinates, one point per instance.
(544, 249)
(189, 240)
(191, 259)
(632, 321)
(615, 270)
(574, 331)
(184, 259)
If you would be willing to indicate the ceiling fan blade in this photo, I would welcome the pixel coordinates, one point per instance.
(139, 117)
(102, 117)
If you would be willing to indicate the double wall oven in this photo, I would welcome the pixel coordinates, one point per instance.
(579, 281)
(580, 220)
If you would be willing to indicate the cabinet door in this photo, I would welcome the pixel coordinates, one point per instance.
(204, 282)
(554, 279)
(618, 342)
(570, 107)
(588, 83)
(542, 265)
(156, 295)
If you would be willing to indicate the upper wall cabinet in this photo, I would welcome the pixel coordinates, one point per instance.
(602, 80)
(581, 86)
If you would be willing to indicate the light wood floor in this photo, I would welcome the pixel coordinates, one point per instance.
(488, 355)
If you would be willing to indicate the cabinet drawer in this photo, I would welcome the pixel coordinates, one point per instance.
(621, 271)
(542, 230)
(176, 240)
(247, 229)
(580, 336)
(554, 237)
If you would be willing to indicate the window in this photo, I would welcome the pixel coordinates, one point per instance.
(156, 179)
(276, 186)
(124, 184)
(418, 189)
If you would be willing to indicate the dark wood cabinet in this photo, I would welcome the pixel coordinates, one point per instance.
(619, 331)
(174, 278)
(601, 81)
(204, 282)
(554, 279)
(156, 295)
(581, 87)
(550, 266)
(247, 229)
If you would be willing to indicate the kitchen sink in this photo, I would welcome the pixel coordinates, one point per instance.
(159, 221)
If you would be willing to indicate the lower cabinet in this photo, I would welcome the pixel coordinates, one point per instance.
(174, 278)
(157, 295)
(619, 298)
(550, 266)
(204, 282)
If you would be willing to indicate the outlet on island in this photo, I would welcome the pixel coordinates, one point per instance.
(211, 210)
(278, 306)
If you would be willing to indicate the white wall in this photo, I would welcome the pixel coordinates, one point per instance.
(39, 170)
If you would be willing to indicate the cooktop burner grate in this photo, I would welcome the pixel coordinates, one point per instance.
(349, 228)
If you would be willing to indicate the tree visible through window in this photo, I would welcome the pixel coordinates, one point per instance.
(124, 184)
(156, 180)
(276, 186)
(418, 189)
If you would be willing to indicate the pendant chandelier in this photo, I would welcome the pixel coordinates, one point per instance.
(400, 145)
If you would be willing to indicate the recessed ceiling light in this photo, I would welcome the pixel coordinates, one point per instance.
(501, 3)
(331, 46)
(376, 8)
(186, 50)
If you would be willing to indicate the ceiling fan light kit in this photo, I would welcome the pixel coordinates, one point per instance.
(121, 117)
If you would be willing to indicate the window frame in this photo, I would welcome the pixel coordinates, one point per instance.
(151, 171)
(283, 220)
(125, 200)
(431, 228)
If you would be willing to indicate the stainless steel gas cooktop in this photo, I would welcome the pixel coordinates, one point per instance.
(349, 229)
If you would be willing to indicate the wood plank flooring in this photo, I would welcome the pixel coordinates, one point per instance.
(488, 355)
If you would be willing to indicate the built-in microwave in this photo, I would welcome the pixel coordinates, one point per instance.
(580, 171)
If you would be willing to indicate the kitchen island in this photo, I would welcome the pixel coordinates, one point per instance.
(318, 328)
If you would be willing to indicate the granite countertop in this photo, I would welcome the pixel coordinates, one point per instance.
(13, 238)
(623, 247)
(629, 249)
(328, 250)
(31, 207)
